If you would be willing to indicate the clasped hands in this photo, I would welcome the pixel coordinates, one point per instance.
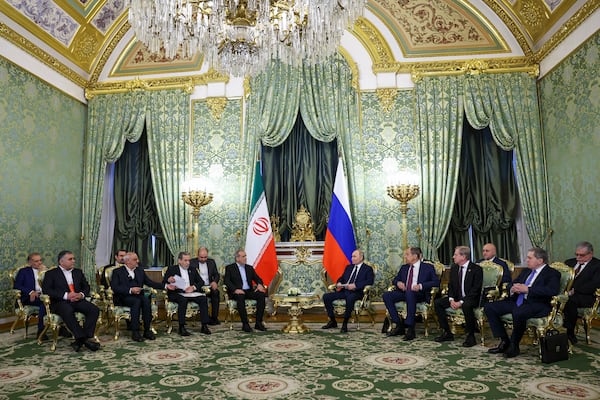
(349, 286)
(259, 288)
(519, 288)
(74, 296)
(402, 286)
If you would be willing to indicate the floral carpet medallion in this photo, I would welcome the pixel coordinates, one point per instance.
(353, 385)
(262, 387)
(179, 380)
(173, 356)
(12, 375)
(83, 376)
(471, 387)
(286, 345)
(396, 360)
(562, 389)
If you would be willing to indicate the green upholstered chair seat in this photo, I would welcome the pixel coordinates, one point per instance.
(586, 311)
(233, 303)
(422, 307)
(55, 319)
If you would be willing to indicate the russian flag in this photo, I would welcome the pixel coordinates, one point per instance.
(339, 238)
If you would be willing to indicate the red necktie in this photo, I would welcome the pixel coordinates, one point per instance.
(71, 287)
(578, 269)
(410, 278)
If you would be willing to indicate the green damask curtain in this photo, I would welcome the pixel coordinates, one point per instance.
(509, 103)
(112, 119)
(301, 171)
(439, 116)
(136, 218)
(168, 138)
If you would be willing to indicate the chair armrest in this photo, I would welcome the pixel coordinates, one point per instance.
(205, 289)
(331, 287)
(390, 288)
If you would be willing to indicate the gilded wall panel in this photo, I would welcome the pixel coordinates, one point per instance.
(41, 142)
(570, 104)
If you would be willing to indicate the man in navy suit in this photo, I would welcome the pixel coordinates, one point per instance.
(28, 283)
(127, 284)
(68, 288)
(207, 268)
(413, 285)
(349, 286)
(243, 283)
(586, 269)
(530, 296)
(464, 292)
(193, 285)
(489, 254)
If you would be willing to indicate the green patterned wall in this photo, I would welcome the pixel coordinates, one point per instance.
(41, 142)
(570, 103)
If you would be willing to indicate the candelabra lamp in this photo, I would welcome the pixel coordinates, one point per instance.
(196, 199)
(404, 193)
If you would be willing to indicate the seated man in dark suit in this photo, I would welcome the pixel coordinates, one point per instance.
(243, 283)
(413, 285)
(489, 254)
(587, 280)
(190, 282)
(27, 282)
(531, 293)
(464, 291)
(207, 268)
(68, 288)
(118, 262)
(350, 286)
(127, 283)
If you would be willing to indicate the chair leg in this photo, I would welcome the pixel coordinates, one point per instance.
(169, 323)
(587, 325)
(14, 325)
(426, 324)
(117, 333)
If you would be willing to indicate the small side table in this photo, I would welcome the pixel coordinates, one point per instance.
(296, 304)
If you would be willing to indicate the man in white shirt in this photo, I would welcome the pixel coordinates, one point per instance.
(207, 268)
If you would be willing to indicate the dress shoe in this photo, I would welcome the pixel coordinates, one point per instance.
(183, 331)
(135, 335)
(410, 334)
(204, 329)
(469, 341)
(149, 335)
(64, 332)
(445, 337)
(512, 351)
(77, 344)
(500, 348)
(259, 326)
(93, 346)
(344, 328)
(398, 330)
(246, 327)
(213, 322)
(330, 324)
(572, 337)
(386, 325)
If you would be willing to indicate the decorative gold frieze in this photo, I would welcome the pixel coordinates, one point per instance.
(419, 70)
(374, 42)
(185, 83)
(85, 48)
(533, 15)
(525, 41)
(387, 99)
(108, 50)
(216, 106)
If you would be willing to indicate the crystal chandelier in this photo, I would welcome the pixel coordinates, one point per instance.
(240, 37)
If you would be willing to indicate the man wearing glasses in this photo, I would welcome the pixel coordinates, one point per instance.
(586, 269)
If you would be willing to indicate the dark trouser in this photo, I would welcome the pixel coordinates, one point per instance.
(350, 296)
(468, 308)
(67, 310)
(139, 304)
(214, 297)
(494, 311)
(411, 298)
(182, 303)
(240, 299)
(570, 310)
(42, 312)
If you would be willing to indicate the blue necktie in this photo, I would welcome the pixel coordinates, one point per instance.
(521, 297)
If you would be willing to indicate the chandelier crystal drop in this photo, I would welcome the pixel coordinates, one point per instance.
(240, 37)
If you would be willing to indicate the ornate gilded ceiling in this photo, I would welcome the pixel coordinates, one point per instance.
(80, 36)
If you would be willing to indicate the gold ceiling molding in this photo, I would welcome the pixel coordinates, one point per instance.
(216, 106)
(39, 54)
(387, 98)
(516, 30)
(108, 50)
(376, 45)
(567, 28)
(473, 67)
(353, 66)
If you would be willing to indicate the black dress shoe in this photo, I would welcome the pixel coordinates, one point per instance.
(93, 346)
(246, 327)
(386, 325)
(330, 324)
(344, 328)
(469, 341)
(398, 330)
(76, 345)
(445, 337)
(500, 348)
(572, 338)
(204, 329)
(259, 326)
(149, 335)
(183, 331)
(135, 335)
(64, 332)
(512, 351)
(410, 334)
(213, 322)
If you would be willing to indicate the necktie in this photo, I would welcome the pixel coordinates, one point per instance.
(71, 287)
(352, 275)
(410, 278)
(578, 269)
(521, 297)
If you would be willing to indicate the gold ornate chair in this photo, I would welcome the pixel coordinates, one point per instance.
(23, 312)
(588, 314)
(492, 277)
(424, 309)
(538, 326)
(118, 313)
(231, 304)
(361, 307)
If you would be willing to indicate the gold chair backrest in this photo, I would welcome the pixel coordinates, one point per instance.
(511, 265)
(492, 273)
(566, 276)
(12, 274)
(108, 272)
(439, 267)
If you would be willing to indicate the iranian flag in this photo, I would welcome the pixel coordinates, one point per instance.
(260, 245)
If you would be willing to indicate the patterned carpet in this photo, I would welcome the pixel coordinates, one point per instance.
(273, 365)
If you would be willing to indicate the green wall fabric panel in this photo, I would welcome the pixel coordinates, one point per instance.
(41, 147)
(570, 104)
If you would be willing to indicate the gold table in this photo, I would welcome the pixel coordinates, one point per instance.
(296, 304)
